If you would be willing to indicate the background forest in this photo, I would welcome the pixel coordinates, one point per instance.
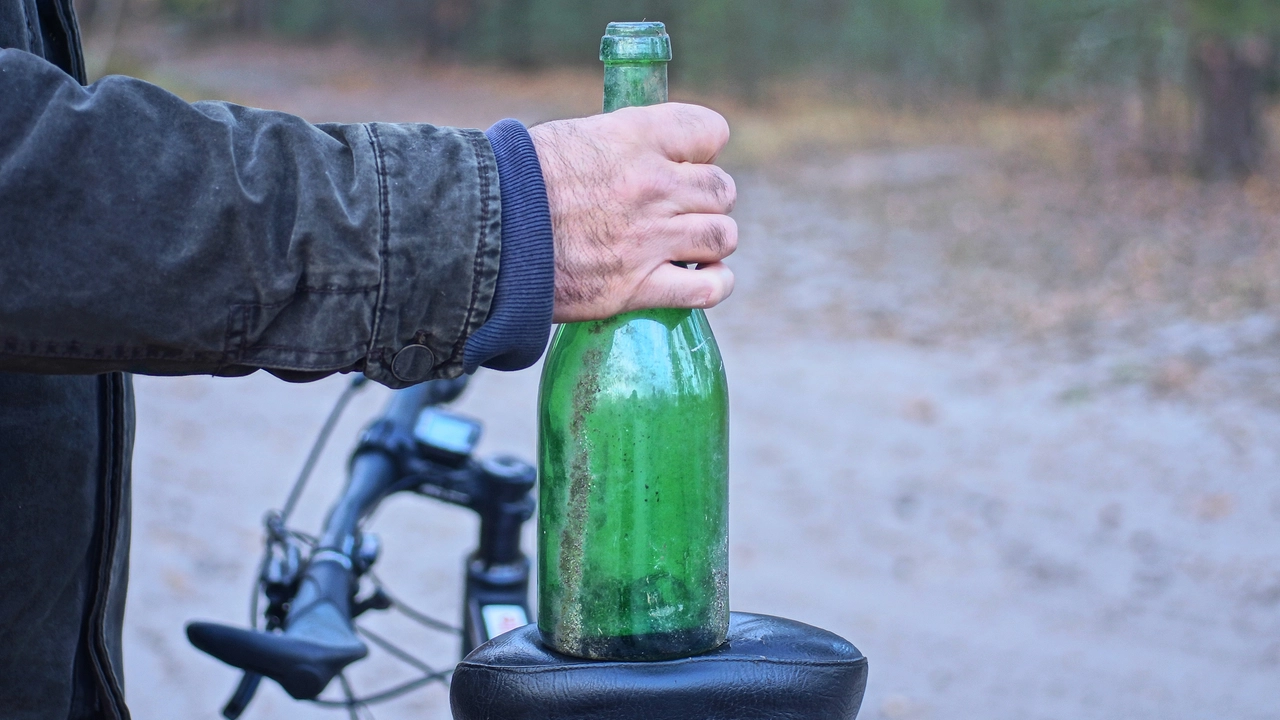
(1215, 59)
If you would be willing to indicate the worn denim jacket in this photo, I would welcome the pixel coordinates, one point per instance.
(255, 241)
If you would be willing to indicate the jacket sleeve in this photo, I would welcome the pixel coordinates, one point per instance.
(142, 233)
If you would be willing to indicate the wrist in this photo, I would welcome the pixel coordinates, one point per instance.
(515, 334)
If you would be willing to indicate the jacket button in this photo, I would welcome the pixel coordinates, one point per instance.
(413, 363)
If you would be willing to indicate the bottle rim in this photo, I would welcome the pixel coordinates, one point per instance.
(635, 42)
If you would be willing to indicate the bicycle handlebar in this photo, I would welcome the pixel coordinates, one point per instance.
(319, 639)
(375, 471)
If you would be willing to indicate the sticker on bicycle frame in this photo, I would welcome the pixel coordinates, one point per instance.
(500, 619)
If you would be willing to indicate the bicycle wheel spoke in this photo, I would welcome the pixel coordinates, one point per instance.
(415, 615)
(350, 699)
(430, 675)
(389, 694)
(392, 649)
(352, 703)
(257, 590)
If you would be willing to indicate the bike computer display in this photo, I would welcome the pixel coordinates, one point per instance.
(446, 437)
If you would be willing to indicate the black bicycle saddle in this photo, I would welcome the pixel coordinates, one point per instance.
(770, 669)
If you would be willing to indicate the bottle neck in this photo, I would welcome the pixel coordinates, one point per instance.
(634, 84)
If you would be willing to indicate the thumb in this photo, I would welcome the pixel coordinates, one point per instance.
(686, 133)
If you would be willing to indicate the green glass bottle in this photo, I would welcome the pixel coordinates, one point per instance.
(633, 436)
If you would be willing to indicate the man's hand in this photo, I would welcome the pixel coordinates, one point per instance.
(631, 192)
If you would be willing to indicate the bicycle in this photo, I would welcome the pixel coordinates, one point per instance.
(769, 667)
(312, 584)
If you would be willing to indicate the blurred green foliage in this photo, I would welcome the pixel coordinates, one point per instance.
(1234, 18)
(1018, 48)
(304, 18)
(997, 47)
(196, 10)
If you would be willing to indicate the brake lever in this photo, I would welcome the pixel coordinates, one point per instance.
(240, 699)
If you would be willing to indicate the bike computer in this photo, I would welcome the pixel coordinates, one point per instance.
(446, 437)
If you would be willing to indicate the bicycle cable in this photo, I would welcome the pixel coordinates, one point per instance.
(276, 521)
(416, 615)
(318, 446)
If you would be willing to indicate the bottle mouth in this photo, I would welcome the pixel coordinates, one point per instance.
(636, 29)
(635, 42)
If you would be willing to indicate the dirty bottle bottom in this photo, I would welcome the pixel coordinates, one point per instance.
(647, 646)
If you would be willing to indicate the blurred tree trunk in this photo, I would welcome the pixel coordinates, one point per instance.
(447, 22)
(1229, 78)
(516, 33)
(747, 53)
(101, 33)
(668, 13)
(1160, 124)
(988, 16)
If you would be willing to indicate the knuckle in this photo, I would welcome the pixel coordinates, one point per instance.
(643, 231)
(715, 238)
(714, 182)
(651, 119)
(711, 292)
(731, 191)
(730, 235)
(700, 119)
(716, 185)
(694, 295)
(725, 286)
(657, 185)
(721, 128)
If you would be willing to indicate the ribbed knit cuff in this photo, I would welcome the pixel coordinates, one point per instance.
(519, 323)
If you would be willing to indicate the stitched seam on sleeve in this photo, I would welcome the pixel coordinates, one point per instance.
(481, 244)
(384, 234)
(27, 9)
(245, 311)
(328, 290)
(228, 357)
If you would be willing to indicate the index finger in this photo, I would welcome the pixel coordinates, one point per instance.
(688, 133)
